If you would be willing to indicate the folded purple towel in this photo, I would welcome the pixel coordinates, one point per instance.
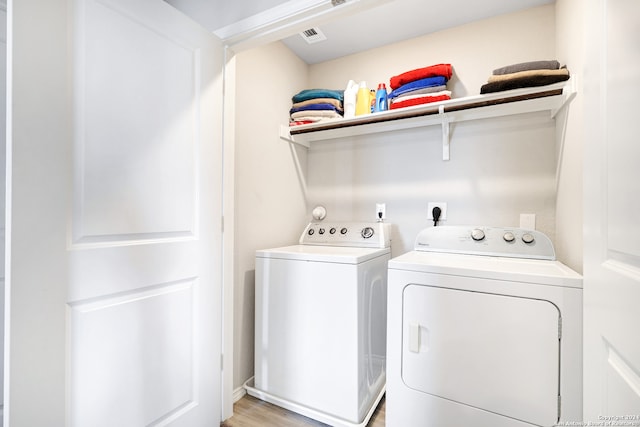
(313, 107)
(424, 91)
(418, 84)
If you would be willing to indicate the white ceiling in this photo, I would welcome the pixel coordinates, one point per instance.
(387, 21)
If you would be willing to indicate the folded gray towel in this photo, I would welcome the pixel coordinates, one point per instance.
(522, 82)
(525, 66)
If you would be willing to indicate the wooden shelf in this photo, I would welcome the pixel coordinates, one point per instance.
(550, 98)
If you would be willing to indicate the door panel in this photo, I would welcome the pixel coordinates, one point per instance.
(494, 352)
(137, 89)
(622, 385)
(140, 349)
(612, 209)
(623, 151)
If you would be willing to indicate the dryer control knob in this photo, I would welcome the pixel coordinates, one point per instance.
(367, 232)
(509, 237)
(477, 234)
(528, 238)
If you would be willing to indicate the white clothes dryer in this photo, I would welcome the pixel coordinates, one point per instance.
(320, 322)
(484, 330)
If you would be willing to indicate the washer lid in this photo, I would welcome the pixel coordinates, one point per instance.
(333, 254)
(490, 267)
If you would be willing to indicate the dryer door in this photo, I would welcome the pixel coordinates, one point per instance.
(493, 352)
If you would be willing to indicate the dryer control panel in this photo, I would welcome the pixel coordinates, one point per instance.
(488, 241)
(354, 234)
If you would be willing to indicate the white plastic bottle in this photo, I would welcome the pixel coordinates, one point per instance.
(350, 99)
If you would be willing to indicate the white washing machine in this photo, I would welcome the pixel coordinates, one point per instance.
(484, 330)
(320, 322)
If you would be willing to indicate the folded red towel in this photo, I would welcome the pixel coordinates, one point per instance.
(418, 101)
(444, 70)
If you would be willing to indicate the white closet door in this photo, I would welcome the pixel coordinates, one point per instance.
(115, 216)
(612, 214)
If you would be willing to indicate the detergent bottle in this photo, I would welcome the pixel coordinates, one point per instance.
(350, 94)
(381, 98)
(372, 100)
(363, 100)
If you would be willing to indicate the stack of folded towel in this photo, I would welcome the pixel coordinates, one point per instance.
(420, 86)
(316, 105)
(525, 74)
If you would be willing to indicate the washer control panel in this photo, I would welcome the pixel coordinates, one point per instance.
(489, 241)
(355, 234)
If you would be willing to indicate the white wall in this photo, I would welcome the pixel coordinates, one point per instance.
(570, 47)
(39, 131)
(473, 49)
(499, 168)
(270, 206)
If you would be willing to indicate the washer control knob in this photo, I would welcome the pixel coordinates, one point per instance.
(509, 237)
(343, 230)
(528, 238)
(367, 232)
(477, 234)
(311, 231)
(332, 230)
(321, 231)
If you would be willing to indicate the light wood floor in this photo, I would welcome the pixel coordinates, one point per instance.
(252, 412)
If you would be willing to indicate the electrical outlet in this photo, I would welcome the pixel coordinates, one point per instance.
(381, 211)
(528, 221)
(443, 210)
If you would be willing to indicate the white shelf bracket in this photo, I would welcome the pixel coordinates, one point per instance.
(285, 134)
(568, 93)
(446, 138)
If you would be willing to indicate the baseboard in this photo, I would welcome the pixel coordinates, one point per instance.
(240, 392)
(323, 417)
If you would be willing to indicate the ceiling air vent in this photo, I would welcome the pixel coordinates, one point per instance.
(313, 35)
